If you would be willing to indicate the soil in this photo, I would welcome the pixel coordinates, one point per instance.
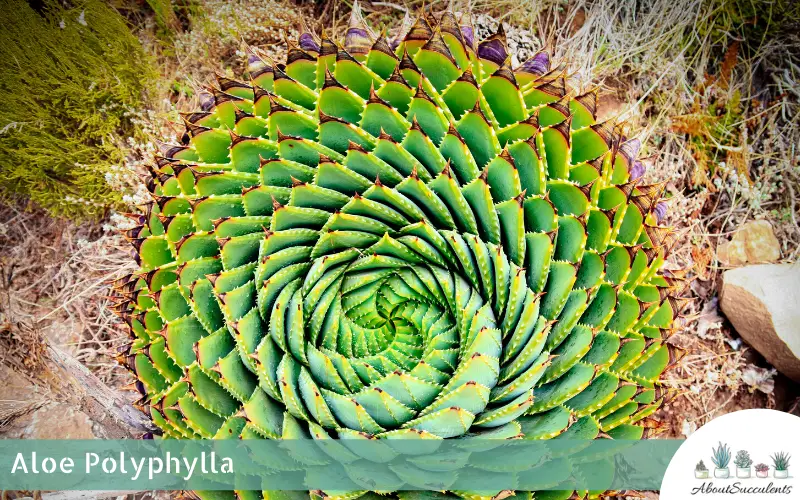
(49, 421)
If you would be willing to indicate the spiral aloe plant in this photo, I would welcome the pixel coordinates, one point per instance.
(401, 238)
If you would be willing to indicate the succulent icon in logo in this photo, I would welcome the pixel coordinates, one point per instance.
(721, 457)
(762, 470)
(781, 462)
(743, 463)
(700, 470)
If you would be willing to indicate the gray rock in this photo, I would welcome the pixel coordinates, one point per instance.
(763, 304)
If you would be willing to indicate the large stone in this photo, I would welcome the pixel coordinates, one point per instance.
(763, 304)
(753, 243)
(33, 413)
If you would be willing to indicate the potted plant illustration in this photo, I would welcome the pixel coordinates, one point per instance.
(762, 470)
(743, 463)
(721, 457)
(701, 471)
(781, 463)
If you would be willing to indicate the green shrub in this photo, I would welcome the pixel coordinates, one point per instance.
(70, 78)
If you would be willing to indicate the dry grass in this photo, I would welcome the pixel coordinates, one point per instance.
(54, 286)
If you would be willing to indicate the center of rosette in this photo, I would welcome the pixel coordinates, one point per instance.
(381, 340)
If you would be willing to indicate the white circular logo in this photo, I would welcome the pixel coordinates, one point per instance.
(749, 454)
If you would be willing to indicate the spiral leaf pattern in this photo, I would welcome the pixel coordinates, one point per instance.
(400, 238)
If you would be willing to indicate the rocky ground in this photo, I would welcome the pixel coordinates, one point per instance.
(55, 273)
(27, 414)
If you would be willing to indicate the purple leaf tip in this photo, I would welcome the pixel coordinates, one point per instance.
(206, 101)
(538, 64)
(307, 43)
(493, 50)
(660, 211)
(637, 170)
(469, 35)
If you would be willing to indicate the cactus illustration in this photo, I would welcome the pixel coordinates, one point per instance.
(721, 457)
(780, 462)
(700, 470)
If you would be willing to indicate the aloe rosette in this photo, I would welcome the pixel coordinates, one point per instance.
(405, 238)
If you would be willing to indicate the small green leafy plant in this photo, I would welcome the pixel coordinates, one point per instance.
(700, 470)
(743, 459)
(781, 461)
(721, 456)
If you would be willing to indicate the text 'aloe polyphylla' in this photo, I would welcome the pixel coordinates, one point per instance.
(401, 238)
